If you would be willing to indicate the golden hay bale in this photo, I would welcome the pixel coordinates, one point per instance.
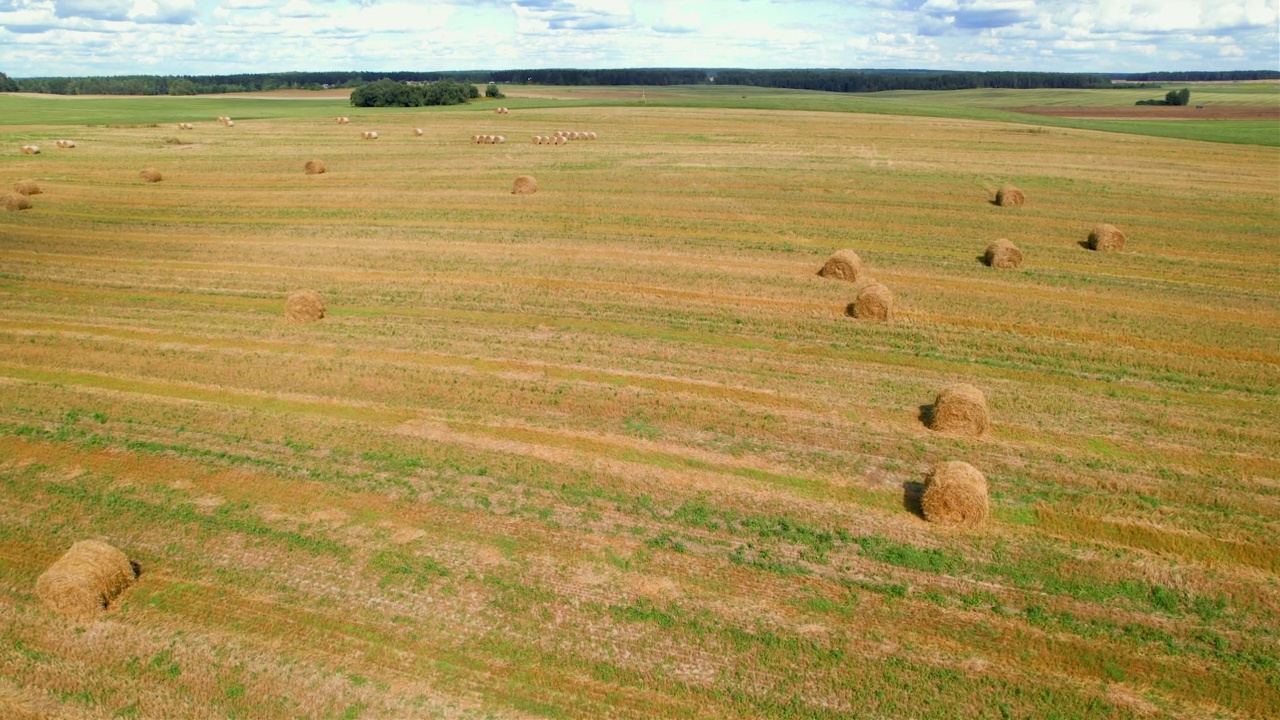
(842, 265)
(537, 139)
(960, 409)
(1106, 237)
(499, 139)
(29, 149)
(231, 123)
(342, 120)
(1002, 254)
(12, 202)
(303, 306)
(315, 167)
(873, 302)
(417, 132)
(560, 140)
(1009, 196)
(591, 136)
(65, 144)
(524, 185)
(151, 175)
(86, 579)
(955, 493)
(27, 187)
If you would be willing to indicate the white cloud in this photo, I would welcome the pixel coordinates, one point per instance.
(95, 9)
(173, 12)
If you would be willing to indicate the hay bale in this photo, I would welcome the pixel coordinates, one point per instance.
(499, 139)
(65, 144)
(591, 136)
(560, 140)
(29, 149)
(955, 493)
(842, 265)
(524, 185)
(417, 132)
(231, 123)
(303, 306)
(86, 579)
(315, 167)
(342, 120)
(537, 139)
(151, 175)
(1009, 196)
(372, 135)
(27, 187)
(960, 409)
(1105, 238)
(13, 202)
(1002, 254)
(873, 302)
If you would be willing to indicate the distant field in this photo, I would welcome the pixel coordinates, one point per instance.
(613, 449)
(999, 105)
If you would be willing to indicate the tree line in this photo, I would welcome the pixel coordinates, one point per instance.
(831, 80)
(862, 81)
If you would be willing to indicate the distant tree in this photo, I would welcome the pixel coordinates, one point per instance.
(390, 93)
(7, 84)
(493, 91)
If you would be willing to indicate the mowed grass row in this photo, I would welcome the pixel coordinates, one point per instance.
(612, 448)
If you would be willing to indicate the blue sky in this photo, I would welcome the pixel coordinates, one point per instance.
(111, 37)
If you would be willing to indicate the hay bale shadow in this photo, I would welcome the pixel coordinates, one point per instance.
(1084, 244)
(912, 491)
(926, 415)
(982, 259)
(137, 568)
(994, 202)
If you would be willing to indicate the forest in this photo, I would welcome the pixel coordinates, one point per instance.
(830, 80)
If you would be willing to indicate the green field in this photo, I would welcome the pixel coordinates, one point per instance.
(614, 449)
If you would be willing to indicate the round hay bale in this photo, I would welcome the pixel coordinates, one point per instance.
(842, 265)
(66, 144)
(1002, 254)
(151, 175)
(1106, 238)
(560, 140)
(1009, 196)
(29, 150)
(537, 139)
(955, 493)
(524, 185)
(960, 409)
(873, 302)
(86, 579)
(591, 136)
(417, 132)
(13, 202)
(500, 139)
(27, 187)
(231, 123)
(303, 306)
(315, 167)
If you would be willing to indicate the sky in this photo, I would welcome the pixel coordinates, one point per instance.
(119, 37)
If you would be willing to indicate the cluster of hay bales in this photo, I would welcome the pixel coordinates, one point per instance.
(151, 175)
(342, 120)
(548, 140)
(303, 306)
(1003, 255)
(488, 139)
(85, 580)
(417, 132)
(227, 121)
(64, 144)
(315, 167)
(186, 126)
(873, 300)
(524, 185)
(369, 135)
(27, 187)
(501, 110)
(29, 149)
(13, 202)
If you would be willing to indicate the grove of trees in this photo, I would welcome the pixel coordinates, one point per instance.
(393, 93)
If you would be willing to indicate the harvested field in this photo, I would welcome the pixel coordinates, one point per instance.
(613, 449)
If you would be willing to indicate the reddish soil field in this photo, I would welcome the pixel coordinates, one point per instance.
(1160, 112)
